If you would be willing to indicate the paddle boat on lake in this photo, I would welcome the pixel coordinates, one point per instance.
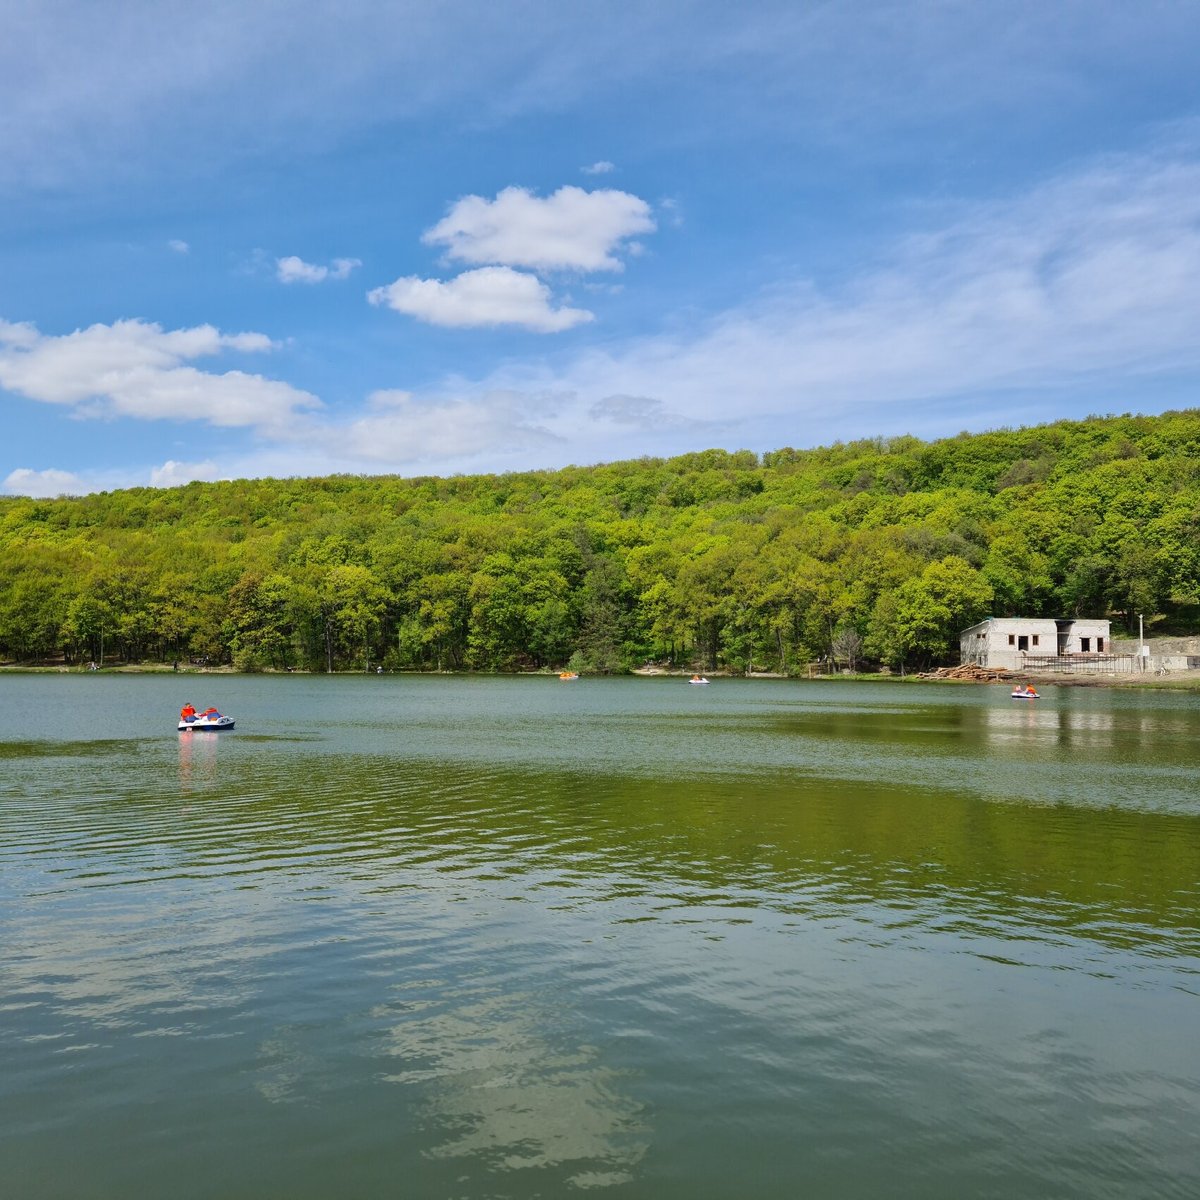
(190, 720)
(697, 679)
(1025, 693)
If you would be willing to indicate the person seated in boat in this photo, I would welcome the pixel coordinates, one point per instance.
(210, 712)
(187, 712)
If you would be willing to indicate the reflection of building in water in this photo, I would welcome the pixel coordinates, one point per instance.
(1017, 721)
(1024, 643)
(197, 758)
(507, 1094)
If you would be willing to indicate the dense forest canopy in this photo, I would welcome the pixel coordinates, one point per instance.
(877, 550)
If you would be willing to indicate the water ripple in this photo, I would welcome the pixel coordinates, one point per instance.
(520, 949)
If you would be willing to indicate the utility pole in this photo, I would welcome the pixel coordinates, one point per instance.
(1141, 646)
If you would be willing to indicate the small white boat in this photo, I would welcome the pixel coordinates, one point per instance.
(1025, 694)
(210, 721)
(697, 679)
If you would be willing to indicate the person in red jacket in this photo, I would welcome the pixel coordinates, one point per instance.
(187, 712)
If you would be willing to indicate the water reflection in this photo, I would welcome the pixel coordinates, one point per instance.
(506, 940)
(1068, 725)
(1101, 865)
(507, 1090)
(197, 759)
(1016, 724)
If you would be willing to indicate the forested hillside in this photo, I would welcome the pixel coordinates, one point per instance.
(878, 550)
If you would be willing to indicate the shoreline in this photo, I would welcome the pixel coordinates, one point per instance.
(1179, 681)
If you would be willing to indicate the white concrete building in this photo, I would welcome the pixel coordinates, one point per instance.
(1018, 643)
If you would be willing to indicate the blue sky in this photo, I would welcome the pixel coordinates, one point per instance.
(245, 238)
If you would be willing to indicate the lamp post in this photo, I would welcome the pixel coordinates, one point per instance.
(1141, 646)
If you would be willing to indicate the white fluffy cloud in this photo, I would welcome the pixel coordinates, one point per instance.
(136, 369)
(55, 482)
(51, 482)
(572, 229)
(175, 474)
(483, 297)
(295, 270)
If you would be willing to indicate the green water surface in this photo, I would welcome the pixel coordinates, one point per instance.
(513, 937)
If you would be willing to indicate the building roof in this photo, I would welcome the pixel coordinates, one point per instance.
(1036, 620)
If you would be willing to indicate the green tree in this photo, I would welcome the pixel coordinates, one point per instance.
(921, 619)
(353, 602)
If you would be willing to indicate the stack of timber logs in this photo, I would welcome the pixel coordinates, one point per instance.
(971, 673)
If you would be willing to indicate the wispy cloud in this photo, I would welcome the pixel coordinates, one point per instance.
(1092, 278)
(638, 412)
(179, 246)
(295, 270)
(84, 91)
(1090, 274)
(402, 429)
(572, 229)
(603, 167)
(488, 296)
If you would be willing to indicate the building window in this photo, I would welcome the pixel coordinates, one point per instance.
(1035, 638)
(1012, 641)
(1085, 644)
(1100, 645)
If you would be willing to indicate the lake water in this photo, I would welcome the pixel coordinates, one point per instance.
(513, 937)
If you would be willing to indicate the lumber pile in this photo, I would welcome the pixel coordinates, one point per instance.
(970, 673)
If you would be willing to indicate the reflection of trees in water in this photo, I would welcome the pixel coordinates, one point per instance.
(1073, 831)
(508, 1094)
